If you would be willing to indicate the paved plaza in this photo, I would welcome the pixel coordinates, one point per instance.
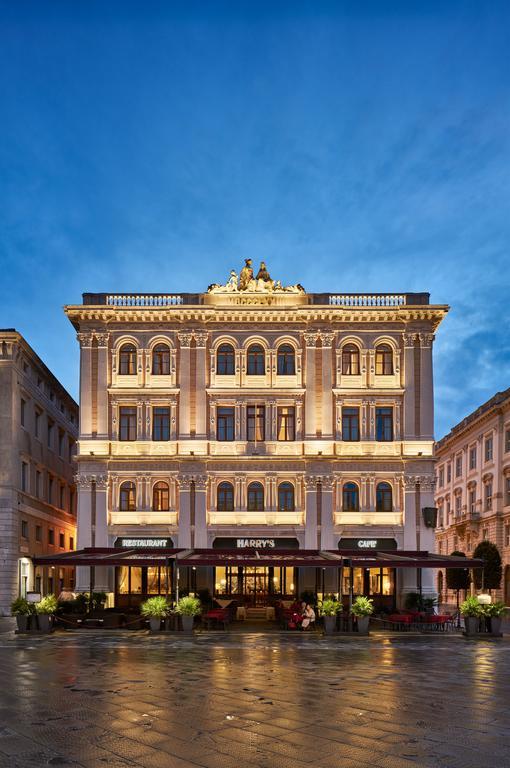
(227, 701)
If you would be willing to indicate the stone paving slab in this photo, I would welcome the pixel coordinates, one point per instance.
(83, 700)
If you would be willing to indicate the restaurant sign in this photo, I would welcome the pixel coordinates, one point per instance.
(254, 543)
(367, 544)
(135, 542)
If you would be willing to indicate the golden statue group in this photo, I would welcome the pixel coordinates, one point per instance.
(247, 281)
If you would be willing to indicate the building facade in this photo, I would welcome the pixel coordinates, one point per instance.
(473, 486)
(38, 434)
(255, 416)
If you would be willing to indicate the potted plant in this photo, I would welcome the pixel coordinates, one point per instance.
(329, 609)
(155, 609)
(471, 610)
(188, 607)
(22, 609)
(362, 608)
(45, 610)
(494, 615)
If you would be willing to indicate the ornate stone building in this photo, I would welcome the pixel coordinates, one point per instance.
(38, 434)
(265, 417)
(473, 486)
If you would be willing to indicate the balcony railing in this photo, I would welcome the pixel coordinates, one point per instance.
(143, 517)
(268, 517)
(368, 518)
(331, 299)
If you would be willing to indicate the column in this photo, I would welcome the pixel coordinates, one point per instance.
(85, 340)
(299, 418)
(115, 420)
(327, 526)
(409, 575)
(201, 511)
(409, 417)
(140, 426)
(365, 420)
(103, 575)
(427, 387)
(84, 524)
(184, 535)
(371, 420)
(327, 385)
(311, 512)
(310, 399)
(200, 384)
(427, 537)
(184, 384)
(103, 424)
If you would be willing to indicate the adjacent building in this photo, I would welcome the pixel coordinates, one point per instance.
(254, 416)
(38, 434)
(473, 486)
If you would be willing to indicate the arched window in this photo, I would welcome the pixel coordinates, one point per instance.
(161, 497)
(286, 360)
(161, 360)
(225, 497)
(350, 497)
(127, 360)
(383, 360)
(384, 498)
(256, 360)
(225, 360)
(286, 497)
(255, 497)
(127, 497)
(350, 360)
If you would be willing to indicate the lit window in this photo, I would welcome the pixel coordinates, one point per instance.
(383, 360)
(255, 497)
(127, 360)
(384, 498)
(350, 360)
(256, 423)
(161, 360)
(286, 497)
(225, 360)
(350, 497)
(256, 360)
(286, 360)
(161, 497)
(225, 497)
(286, 423)
(127, 497)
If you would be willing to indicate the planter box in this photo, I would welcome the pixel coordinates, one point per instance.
(329, 624)
(495, 626)
(187, 623)
(155, 624)
(363, 622)
(472, 625)
(44, 622)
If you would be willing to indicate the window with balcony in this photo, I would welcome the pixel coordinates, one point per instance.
(458, 466)
(225, 360)
(488, 449)
(384, 498)
(350, 360)
(225, 424)
(225, 497)
(161, 424)
(127, 360)
(350, 497)
(286, 360)
(472, 501)
(256, 423)
(383, 360)
(255, 497)
(286, 423)
(488, 495)
(472, 457)
(161, 497)
(458, 505)
(127, 497)
(350, 425)
(286, 501)
(256, 360)
(384, 424)
(127, 423)
(161, 360)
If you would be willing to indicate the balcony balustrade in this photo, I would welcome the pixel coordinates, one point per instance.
(368, 518)
(143, 517)
(266, 517)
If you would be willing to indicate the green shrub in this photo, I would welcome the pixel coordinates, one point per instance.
(47, 606)
(189, 606)
(155, 608)
(363, 606)
(21, 607)
(471, 608)
(330, 607)
(494, 610)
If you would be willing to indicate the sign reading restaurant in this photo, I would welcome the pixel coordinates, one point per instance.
(143, 543)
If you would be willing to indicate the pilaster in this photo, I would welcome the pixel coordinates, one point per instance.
(327, 384)
(310, 395)
(201, 338)
(184, 383)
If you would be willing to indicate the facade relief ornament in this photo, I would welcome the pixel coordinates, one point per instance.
(185, 482)
(200, 482)
(409, 339)
(310, 482)
(201, 338)
(102, 482)
(185, 338)
(102, 339)
(311, 338)
(327, 338)
(84, 339)
(248, 282)
(426, 339)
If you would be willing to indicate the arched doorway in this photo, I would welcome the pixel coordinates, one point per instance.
(507, 585)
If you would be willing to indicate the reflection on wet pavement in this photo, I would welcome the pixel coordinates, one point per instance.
(229, 701)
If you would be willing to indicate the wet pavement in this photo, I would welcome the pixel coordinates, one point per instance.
(228, 701)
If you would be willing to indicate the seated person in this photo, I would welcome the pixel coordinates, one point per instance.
(308, 617)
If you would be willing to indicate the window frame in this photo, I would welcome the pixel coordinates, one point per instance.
(255, 423)
(225, 496)
(127, 359)
(350, 497)
(285, 360)
(381, 424)
(161, 490)
(127, 496)
(161, 419)
(350, 424)
(225, 424)
(255, 497)
(384, 363)
(286, 497)
(350, 364)
(225, 359)
(286, 421)
(256, 360)
(160, 359)
(128, 432)
(383, 492)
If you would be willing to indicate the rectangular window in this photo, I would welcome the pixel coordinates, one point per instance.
(485, 534)
(507, 491)
(127, 420)
(441, 477)
(71, 542)
(62, 497)
(472, 502)
(38, 533)
(448, 472)
(458, 466)
(24, 529)
(23, 412)
(61, 437)
(37, 423)
(448, 512)
(24, 476)
(70, 450)
(384, 424)
(50, 490)
(51, 429)
(488, 495)
(61, 540)
(472, 457)
(161, 424)
(350, 425)
(225, 424)
(458, 505)
(38, 480)
(71, 501)
(488, 449)
(256, 423)
(51, 536)
(507, 440)
(286, 423)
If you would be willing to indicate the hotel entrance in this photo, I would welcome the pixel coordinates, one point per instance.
(255, 585)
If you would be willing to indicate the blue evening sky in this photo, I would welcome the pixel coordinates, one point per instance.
(355, 146)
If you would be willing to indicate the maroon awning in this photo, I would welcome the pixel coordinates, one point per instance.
(304, 558)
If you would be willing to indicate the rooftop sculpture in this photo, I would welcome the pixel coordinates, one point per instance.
(248, 283)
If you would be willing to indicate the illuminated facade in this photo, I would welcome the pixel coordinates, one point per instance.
(473, 486)
(38, 434)
(257, 413)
